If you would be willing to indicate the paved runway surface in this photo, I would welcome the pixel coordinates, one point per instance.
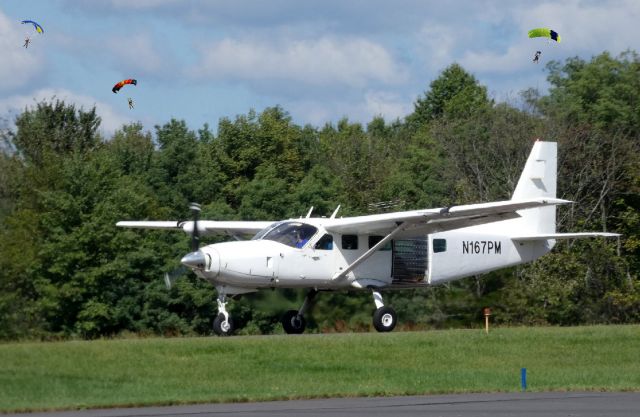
(522, 405)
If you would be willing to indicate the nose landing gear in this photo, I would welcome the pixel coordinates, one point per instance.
(222, 324)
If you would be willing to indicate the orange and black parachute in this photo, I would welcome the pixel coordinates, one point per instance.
(121, 84)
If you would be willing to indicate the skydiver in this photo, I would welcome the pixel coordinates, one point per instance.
(535, 58)
(26, 42)
(130, 103)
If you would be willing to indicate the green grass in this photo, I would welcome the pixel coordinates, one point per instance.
(105, 373)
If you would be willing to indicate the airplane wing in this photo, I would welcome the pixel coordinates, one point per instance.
(421, 222)
(205, 227)
(564, 236)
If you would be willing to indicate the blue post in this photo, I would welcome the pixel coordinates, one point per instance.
(523, 378)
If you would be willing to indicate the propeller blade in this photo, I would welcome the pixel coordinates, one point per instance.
(195, 235)
(171, 277)
(192, 259)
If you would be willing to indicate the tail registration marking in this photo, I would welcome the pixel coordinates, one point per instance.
(481, 246)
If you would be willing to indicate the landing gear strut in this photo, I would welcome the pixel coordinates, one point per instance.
(293, 321)
(222, 324)
(384, 318)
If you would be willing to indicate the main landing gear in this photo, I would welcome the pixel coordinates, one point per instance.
(384, 318)
(293, 321)
(222, 324)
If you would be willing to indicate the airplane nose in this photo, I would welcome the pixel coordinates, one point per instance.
(195, 260)
(207, 259)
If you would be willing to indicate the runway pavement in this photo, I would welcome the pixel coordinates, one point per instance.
(511, 404)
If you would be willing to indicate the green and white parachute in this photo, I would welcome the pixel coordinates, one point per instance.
(544, 33)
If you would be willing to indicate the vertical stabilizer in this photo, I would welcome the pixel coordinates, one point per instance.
(539, 179)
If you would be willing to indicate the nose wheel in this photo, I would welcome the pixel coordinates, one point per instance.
(385, 317)
(222, 324)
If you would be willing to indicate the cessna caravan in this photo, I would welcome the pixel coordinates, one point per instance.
(406, 249)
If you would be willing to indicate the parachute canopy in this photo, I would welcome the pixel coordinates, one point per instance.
(544, 33)
(37, 27)
(122, 83)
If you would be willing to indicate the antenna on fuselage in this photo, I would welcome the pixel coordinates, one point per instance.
(333, 216)
(309, 212)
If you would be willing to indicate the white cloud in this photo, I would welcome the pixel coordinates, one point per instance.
(141, 4)
(514, 59)
(139, 54)
(388, 105)
(132, 54)
(18, 65)
(111, 120)
(362, 108)
(436, 44)
(326, 61)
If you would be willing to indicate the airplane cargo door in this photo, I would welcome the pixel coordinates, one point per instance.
(410, 261)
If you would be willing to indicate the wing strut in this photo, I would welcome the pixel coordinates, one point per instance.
(367, 254)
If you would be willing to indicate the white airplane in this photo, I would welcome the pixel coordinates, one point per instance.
(406, 249)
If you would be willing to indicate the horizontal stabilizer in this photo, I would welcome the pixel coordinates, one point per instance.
(563, 236)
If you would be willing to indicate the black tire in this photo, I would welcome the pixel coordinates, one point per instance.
(221, 328)
(385, 319)
(293, 323)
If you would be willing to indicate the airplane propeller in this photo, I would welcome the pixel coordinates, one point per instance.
(195, 234)
(171, 277)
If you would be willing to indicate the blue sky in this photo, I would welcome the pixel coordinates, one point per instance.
(320, 60)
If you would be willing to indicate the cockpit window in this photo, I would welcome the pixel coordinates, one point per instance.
(266, 230)
(294, 234)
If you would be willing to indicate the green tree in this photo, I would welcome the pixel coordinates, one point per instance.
(455, 93)
(602, 92)
(254, 142)
(56, 128)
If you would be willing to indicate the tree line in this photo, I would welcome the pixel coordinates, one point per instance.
(67, 271)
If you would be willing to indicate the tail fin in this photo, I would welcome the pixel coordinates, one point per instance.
(538, 179)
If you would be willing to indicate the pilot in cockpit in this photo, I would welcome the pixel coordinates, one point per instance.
(301, 239)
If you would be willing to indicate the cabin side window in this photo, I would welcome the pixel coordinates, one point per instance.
(439, 245)
(325, 243)
(350, 242)
(373, 240)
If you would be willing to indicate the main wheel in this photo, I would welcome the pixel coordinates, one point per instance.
(385, 319)
(293, 323)
(222, 327)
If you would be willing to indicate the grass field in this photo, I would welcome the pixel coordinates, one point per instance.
(106, 373)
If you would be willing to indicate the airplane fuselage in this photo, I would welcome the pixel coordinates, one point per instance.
(404, 262)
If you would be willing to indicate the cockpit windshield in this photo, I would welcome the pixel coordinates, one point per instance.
(294, 234)
(266, 230)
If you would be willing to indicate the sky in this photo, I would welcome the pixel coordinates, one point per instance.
(200, 61)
